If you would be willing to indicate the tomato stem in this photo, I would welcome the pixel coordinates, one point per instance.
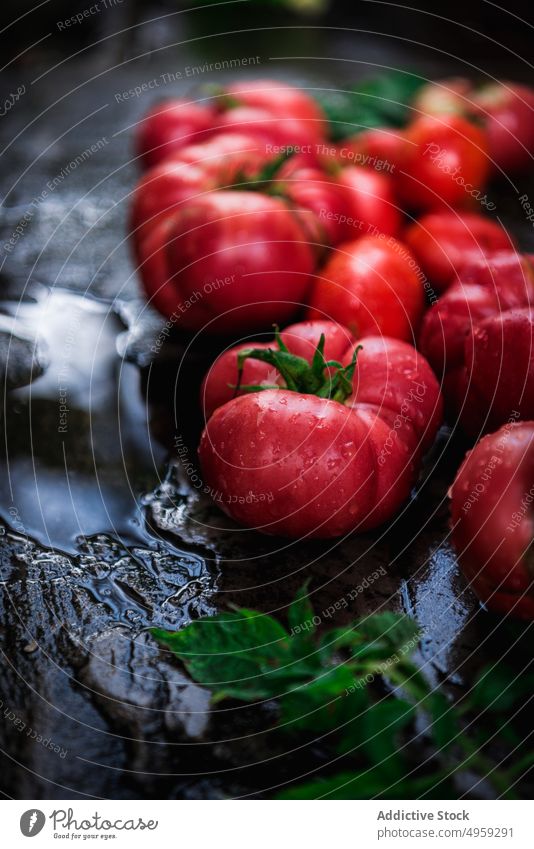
(324, 378)
(222, 100)
(264, 180)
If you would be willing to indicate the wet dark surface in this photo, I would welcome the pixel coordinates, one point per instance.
(103, 534)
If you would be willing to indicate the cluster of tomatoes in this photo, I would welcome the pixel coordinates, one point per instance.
(410, 301)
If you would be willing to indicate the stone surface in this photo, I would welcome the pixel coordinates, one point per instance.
(22, 358)
(101, 536)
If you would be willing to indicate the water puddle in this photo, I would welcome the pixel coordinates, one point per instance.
(76, 459)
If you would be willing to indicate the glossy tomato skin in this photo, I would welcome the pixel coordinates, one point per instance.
(504, 109)
(396, 392)
(343, 206)
(479, 338)
(193, 170)
(277, 134)
(226, 157)
(445, 163)
(301, 339)
(488, 285)
(320, 201)
(161, 191)
(499, 362)
(384, 150)
(170, 126)
(259, 447)
(231, 260)
(153, 267)
(282, 100)
(493, 519)
(445, 242)
(370, 200)
(297, 465)
(507, 110)
(371, 285)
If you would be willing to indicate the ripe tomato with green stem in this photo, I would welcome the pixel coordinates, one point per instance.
(263, 235)
(328, 447)
(197, 168)
(301, 339)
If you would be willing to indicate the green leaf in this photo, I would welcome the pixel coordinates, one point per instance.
(382, 101)
(236, 654)
(372, 783)
(320, 683)
(382, 723)
(378, 637)
(399, 632)
(300, 613)
(345, 785)
(322, 705)
(336, 639)
(326, 379)
(500, 688)
(445, 725)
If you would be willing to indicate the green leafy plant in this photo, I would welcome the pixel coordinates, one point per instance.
(358, 690)
(381, 101)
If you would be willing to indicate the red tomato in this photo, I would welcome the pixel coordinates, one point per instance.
(197, 168)
(281, 100)
(226, 261)
(508, 113)
(381, 149)
(321, 203)
(445, 163)
(153, 265)
(505, 109)
(345, 206)
(445, 242)
(161, 191)
(170, 126)
(370, 200)
(293, 463)
(479, 337)
(372, 286)
(301, 339)
(274, 131)
(493, 519)
(227, 156)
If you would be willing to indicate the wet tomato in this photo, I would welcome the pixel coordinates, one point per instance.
(335, 449)
(445, 163)
(493, 519)
(171, 125)
(372, 285)
(479, 338)
(445, 242)
(227, 261)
